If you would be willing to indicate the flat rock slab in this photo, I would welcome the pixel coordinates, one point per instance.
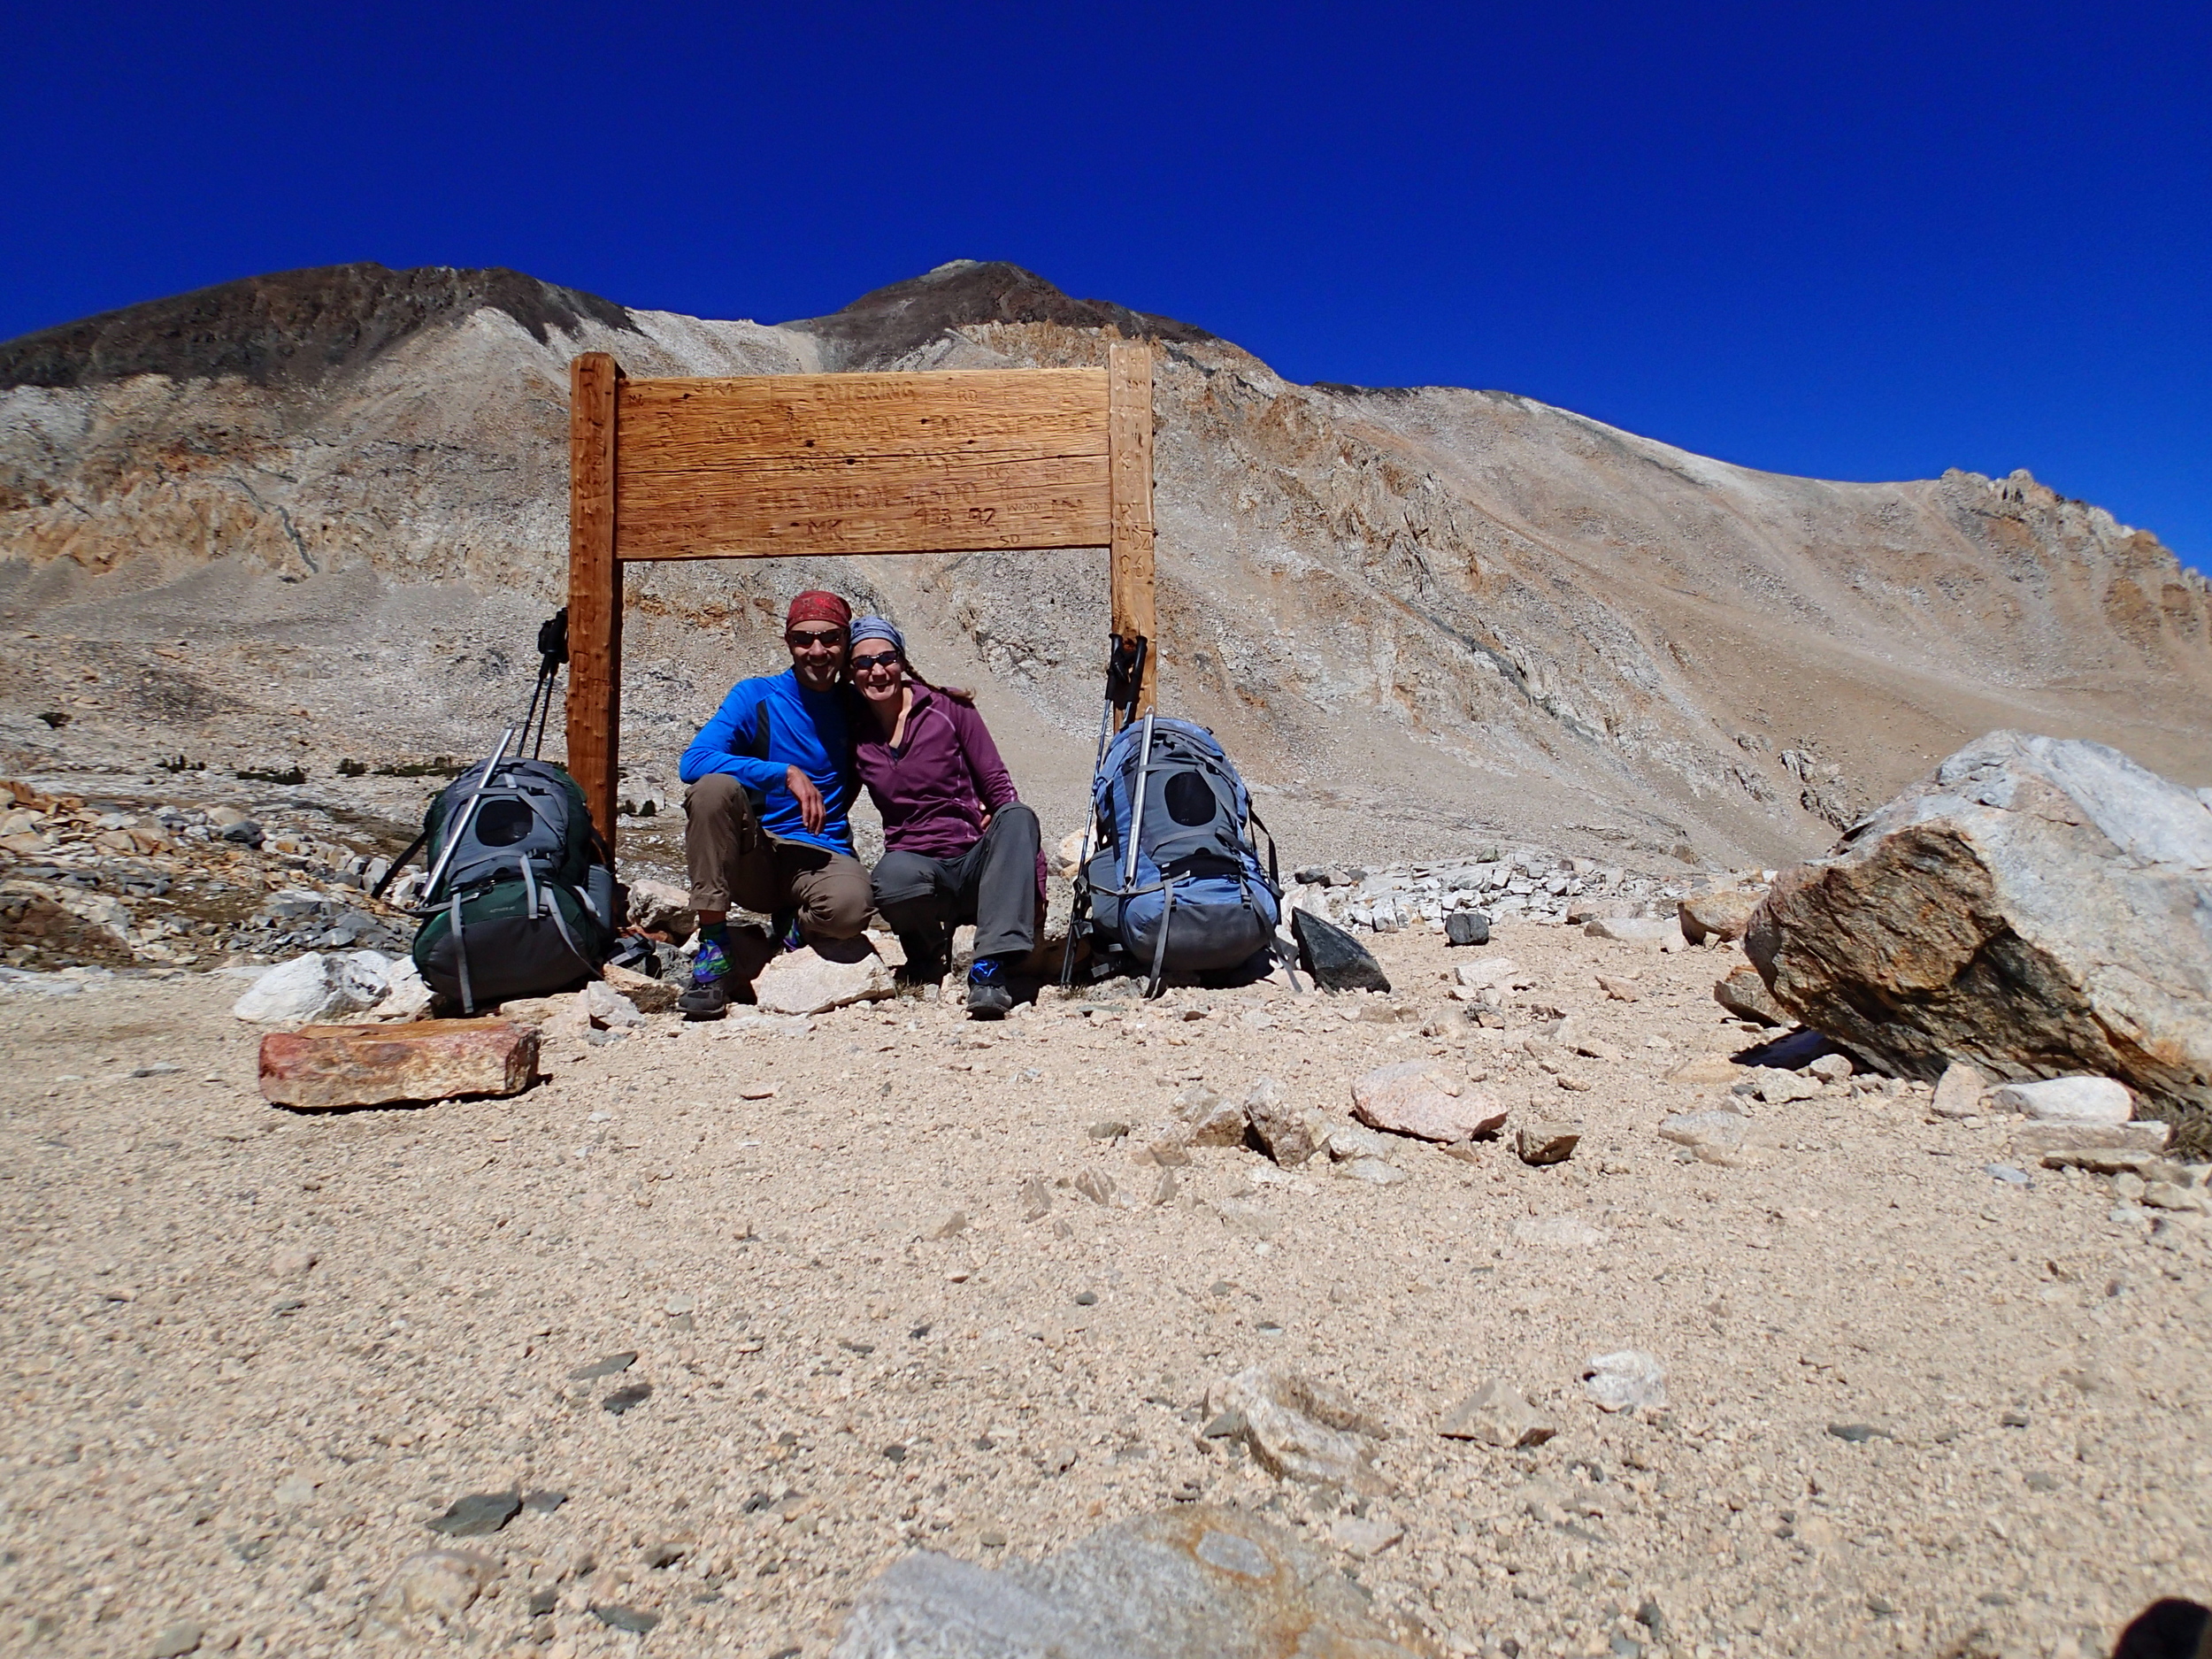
(1419, 1098)
(2144, 1136)
(1337, 960)
(1496, 1414)
(320, 1068)
(1196, 1579)
(2068, 1100)
(831, 974)
(1491, 971)
(646, 995)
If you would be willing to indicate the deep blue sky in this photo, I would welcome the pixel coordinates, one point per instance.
(1862, 242)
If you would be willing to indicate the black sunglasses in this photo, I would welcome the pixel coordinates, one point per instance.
(877, 661)
(826, 636)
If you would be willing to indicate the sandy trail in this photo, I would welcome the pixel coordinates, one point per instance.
(203, 1428)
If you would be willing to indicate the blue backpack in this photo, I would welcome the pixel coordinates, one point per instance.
(1174, 877)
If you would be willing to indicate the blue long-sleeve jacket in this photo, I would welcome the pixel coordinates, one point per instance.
(806, 729)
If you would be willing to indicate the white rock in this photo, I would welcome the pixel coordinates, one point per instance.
(358, 979)
(818, 977)
(603, 1005)
(1347, 1141)
(1570, 1231)
(1625, 1381)
(2068, 1100)
(1491, 971)
(405, 996)
(299, 989)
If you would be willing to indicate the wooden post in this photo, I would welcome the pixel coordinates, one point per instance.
(595, 586)
(1129, 462)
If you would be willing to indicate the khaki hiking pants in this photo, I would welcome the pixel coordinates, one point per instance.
(734, 863)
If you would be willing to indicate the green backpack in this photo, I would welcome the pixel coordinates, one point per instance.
(526, 904)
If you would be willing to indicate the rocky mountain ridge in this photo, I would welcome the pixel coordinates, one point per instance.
(317, 515)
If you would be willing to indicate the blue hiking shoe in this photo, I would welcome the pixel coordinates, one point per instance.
(988, 996)
(708, 996)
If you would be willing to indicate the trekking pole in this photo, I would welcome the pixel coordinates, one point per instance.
(1136, 807)
(461, 827)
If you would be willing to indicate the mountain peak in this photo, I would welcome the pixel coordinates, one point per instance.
(290, 327)
(882, 325)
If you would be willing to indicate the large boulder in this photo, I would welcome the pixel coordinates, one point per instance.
(2038, 907)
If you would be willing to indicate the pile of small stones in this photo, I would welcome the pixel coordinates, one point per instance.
(1542, 886)
(120, 883)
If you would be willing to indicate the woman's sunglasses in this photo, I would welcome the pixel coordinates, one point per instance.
(879, 660)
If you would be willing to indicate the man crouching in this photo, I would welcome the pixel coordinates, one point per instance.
(772, 781)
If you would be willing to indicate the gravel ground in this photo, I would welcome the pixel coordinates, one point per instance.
(250, 1355)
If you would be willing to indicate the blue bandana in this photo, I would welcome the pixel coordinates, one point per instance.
(877, 628)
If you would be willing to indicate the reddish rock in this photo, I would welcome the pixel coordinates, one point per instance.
(1417, 1097)
(319, 1067)
(1722, 913)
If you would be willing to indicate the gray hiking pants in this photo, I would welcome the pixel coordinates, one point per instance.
(994, 884)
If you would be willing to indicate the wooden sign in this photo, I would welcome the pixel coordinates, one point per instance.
(806, 465)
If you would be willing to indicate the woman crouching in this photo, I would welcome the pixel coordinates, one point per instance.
(959, 846)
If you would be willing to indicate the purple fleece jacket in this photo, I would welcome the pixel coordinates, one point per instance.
(933, 790)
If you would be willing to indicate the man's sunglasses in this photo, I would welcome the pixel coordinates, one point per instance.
(799, 640)
(880, 659)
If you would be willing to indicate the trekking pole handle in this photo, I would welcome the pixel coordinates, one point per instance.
(467, 812)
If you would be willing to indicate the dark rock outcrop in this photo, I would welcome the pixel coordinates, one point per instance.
(882, 327)
(291, 327)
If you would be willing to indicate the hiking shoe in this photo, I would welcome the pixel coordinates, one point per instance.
(707, 999)
(987, 996)
(708, 996)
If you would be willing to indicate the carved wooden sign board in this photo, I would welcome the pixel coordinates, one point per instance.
(805, 465)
